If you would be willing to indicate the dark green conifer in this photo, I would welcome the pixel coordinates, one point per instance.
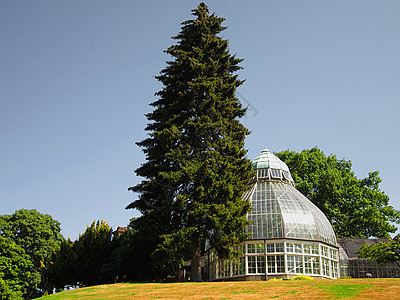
(196, 169)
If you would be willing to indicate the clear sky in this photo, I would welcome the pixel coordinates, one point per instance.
(76, 78)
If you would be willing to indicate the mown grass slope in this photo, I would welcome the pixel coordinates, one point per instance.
(383, 289)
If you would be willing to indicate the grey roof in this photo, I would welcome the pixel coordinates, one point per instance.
(351, 245)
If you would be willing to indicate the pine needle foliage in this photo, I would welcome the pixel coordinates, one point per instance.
(196, 168)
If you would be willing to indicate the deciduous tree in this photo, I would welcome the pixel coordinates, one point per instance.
(18, 278)
(356, 207)
(38, 235)
(196, 168)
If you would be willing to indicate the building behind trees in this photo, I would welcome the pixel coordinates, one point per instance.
(357, 267)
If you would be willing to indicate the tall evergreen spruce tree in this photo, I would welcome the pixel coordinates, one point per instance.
(196, 169)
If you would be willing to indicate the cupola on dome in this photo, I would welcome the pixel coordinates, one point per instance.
(267, 160)
(271, 167)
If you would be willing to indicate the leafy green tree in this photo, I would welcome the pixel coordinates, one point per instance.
(196, 169)
(38, 235)
(17, 275)
(386, 252)
(355, 207)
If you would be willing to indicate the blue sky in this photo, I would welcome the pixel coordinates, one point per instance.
(76, 78)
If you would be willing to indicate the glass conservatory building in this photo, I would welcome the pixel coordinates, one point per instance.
(289, 235)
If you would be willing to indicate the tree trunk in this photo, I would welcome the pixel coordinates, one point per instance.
(195, 271)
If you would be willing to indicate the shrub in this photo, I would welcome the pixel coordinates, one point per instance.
(302, 277)
(275, 279)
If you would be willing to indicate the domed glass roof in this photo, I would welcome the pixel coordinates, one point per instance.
(281, 211)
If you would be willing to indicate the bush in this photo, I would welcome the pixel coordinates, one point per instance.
(302, 277)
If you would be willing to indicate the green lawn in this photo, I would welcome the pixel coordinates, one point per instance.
(290, 289)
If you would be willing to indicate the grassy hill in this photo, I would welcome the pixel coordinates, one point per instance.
(383, 288)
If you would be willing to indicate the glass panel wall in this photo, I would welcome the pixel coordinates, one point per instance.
(256, 248)
(311, 265)
(274, 247)
(280, 257)
(256, 264)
